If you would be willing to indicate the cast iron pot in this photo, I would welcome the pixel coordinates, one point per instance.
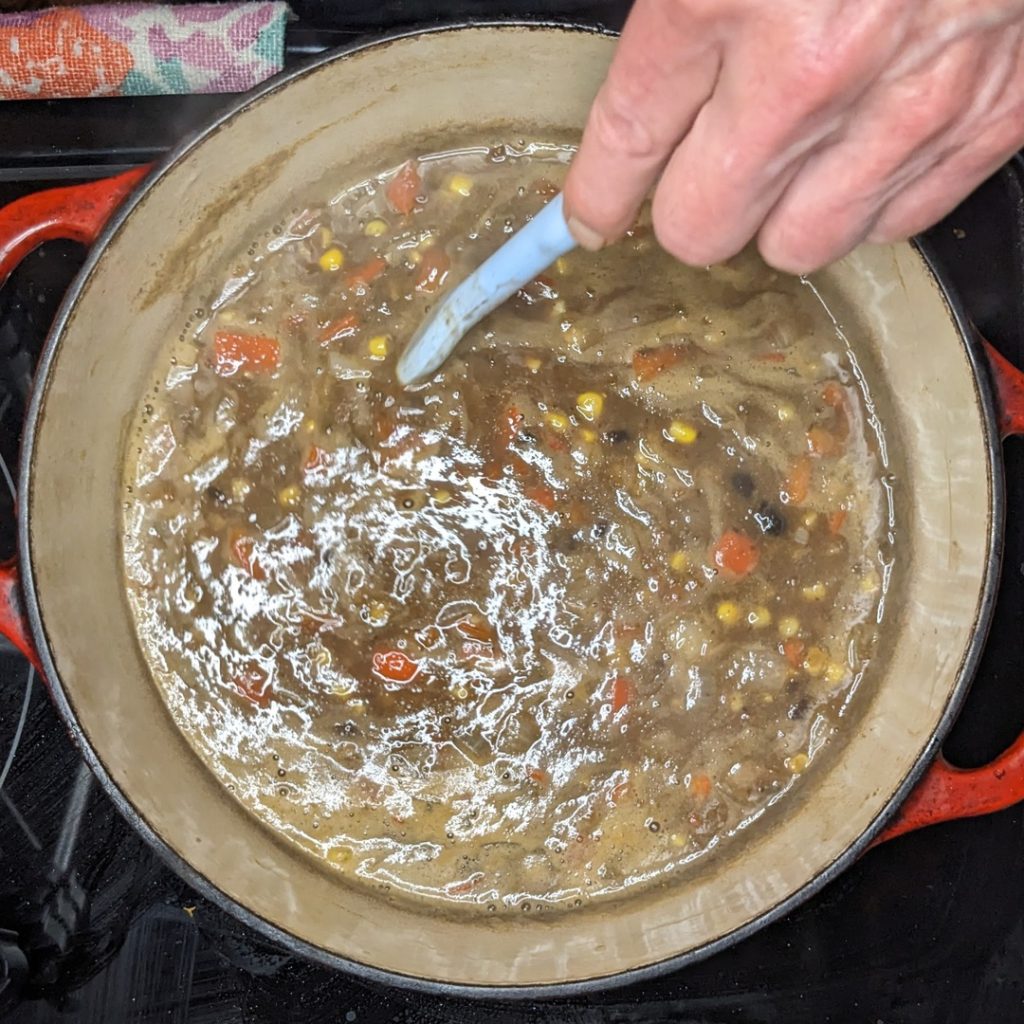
(158, 237)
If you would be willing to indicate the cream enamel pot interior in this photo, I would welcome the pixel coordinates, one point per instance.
(352, 113)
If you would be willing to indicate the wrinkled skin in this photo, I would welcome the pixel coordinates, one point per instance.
(812, 125)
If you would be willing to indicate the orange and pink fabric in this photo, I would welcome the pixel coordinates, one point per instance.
(140, 49)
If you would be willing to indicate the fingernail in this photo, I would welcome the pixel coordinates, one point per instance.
(586, 236)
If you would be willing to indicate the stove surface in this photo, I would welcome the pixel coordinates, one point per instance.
(93, 927)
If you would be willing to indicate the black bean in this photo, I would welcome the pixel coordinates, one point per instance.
(619, 436)
(771, 521)
(217, 496)
(526, 436)
(742, 483)
(600, 529)
(799, 709)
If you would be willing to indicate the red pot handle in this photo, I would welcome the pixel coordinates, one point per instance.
(77, 212)
(944, 792)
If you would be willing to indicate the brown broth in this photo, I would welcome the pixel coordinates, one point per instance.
(546, 628)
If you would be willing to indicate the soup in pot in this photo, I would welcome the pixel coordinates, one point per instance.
(544, 629)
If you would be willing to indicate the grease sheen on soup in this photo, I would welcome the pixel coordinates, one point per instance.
(546, 628)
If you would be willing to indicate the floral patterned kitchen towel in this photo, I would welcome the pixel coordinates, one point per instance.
(140, 49)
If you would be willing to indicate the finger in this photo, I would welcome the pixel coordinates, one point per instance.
(971, 158)
(702, 221)
(776, 104)
(663, 71)
(927, 200)
(899, 132)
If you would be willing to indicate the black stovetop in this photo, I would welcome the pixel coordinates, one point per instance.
(93, 928)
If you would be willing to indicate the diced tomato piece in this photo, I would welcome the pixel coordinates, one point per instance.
(798, 483)
(343, 327)
(623, 693)
(555, 441)
(544, 496)
(833, 395)
(700, 786)
(404, 188)
(510, 422)
(619, 792)
(649, 362)
(242, 551)
(467, 885)
(538, 775)
(836, 520)
(246, 353)
(476, 631)
(822, 442)
(315, 459)
(771, 357)
(433, 269)
(253, 684)
(735, 553)
(793, 650)
(626, 634)
(365, 274)
(395, 667)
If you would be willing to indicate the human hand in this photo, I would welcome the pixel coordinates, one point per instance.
(813, 125)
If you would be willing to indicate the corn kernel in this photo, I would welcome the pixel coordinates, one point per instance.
(815, 661)
(240, 487)
(378, 613)
(835, 673)
(788, 627)
(332, 259)
(309, 425)
(736, 702)
(290, 496)
(533, 364)
(728, 613)
(442, 497)
(339, 854)
(682, 433)
(590, 405)
(815, 592)
(679, 561)
(557, 420)
(797, 763)
(460, 184)
(588, 435)
(869, 582)
(378, 346)
(810, 518)
(760, 617)
(677, 839)
(785, 412)
(376, 228)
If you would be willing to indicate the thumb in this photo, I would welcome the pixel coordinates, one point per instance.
(664, 70)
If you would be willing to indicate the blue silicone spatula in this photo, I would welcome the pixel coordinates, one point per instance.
(517, 262)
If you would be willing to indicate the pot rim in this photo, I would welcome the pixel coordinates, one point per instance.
(293, 944)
